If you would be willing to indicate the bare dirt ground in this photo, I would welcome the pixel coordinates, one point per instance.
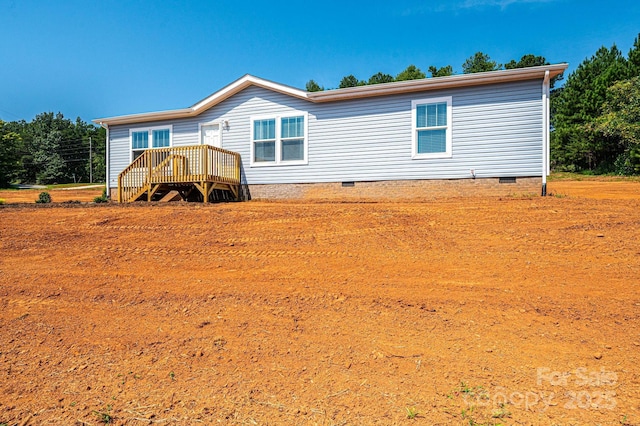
(467, 311)
(57, 195)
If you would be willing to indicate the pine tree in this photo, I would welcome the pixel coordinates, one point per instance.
(576, 106)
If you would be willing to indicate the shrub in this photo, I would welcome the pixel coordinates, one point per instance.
(43, 198)
(1, 203)
(623, 165)
(103, 198)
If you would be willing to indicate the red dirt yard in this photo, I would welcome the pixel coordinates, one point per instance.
(451, 311)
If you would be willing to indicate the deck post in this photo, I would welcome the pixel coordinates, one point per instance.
(150, 160)
(205, 163)
(120, 177)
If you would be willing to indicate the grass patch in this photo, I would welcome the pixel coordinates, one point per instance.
(104, 416)
(15, 187)
(501, 413)
(72, 185)
(471, 405)
(412, 413)
(556, 195)
(568, 176)
(526, 195)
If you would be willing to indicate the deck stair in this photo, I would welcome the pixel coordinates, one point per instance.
(172, 195)
(158, 172)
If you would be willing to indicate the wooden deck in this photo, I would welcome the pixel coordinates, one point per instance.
(182, 168)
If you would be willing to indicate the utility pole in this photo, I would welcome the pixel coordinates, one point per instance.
(90, 163)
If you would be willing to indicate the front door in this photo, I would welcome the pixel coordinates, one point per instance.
(211, 135)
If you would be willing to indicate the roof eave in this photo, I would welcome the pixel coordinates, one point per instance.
(428, 84)
(422, 85)
(206, 103)
(145, 117)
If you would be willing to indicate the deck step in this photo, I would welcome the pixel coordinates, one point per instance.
(171, 196)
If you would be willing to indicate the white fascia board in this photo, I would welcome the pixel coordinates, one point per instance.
(243, 83)
(201, 106)
(427, 84)
(144, 117)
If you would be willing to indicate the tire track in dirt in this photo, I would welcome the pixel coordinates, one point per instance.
(217, 252)
(389, 230)
(203, 252)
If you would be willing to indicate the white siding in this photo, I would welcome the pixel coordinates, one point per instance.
(496, 131)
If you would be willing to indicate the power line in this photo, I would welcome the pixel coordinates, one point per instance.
(54, 152)
(10, 113)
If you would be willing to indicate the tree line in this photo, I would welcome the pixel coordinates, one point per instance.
(51, 149)
(478, 62)
(596, 115)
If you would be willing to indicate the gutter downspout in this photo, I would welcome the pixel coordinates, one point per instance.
(546, 146)
(106, 178)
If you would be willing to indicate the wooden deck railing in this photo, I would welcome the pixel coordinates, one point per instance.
(197, 164)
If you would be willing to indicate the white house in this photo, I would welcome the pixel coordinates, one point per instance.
(463, 133)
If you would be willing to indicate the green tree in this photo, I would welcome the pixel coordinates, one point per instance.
(479, 62)
(43, 137)
(10, 155)
(380, 78)
(98, 156)
(56, 149)
(410, 73)
(633, 59)
(312, 86)
(574, 109)
(350, 81)
(50, 164)
(441, 72)
(526, 61)
(531, 61)
(620, 122)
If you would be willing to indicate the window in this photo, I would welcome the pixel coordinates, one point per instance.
(279, 140)
(153, 137)
(292, 139)
(160, 138)
(431, 128)
(264, 137)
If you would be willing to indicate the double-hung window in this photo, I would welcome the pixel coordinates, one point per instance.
(279, 140)
(264, 140)
(150, 137)
(431, 127)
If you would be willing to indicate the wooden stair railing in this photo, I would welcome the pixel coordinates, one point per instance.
(206, 167)
(133, 181)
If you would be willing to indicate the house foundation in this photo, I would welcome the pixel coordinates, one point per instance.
(400, 189)
(396, 189)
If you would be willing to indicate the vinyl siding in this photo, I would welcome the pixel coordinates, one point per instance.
(496, 131)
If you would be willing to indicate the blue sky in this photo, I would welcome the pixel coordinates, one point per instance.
(102, 58)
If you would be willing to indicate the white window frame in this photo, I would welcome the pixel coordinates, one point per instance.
(414, 129)
(150, 131)
(278, 146)
(220, 124)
